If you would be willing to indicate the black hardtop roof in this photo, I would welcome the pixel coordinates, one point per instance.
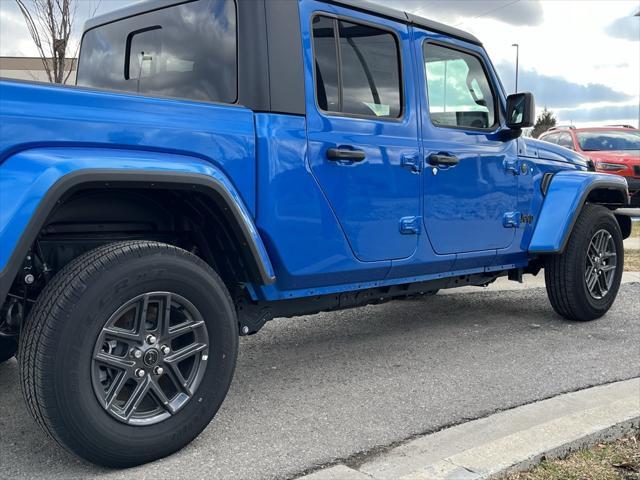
(361, 5)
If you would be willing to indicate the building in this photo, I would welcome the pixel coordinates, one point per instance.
(30, 68)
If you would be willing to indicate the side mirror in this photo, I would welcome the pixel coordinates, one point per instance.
(521, 110)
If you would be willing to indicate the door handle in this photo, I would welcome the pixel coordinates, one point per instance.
(443, 160)
(345, 153)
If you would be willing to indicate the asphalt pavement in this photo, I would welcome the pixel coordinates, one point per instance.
(318, 389)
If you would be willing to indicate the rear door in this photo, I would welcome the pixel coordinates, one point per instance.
(470, 183)
(362, 127)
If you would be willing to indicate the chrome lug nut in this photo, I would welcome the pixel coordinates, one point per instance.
(165, 349)
(158, 370)
(140, 373)
(151, 340)
(136, 353)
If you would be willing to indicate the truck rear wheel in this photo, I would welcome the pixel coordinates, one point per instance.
(129, 352)
(583, 281)
(8, 348)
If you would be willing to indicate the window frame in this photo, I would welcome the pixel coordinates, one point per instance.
(568, 134)
(398, 43)
(497, 121)
(130, 34)
(128, 44)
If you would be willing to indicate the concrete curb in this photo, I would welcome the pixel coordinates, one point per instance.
(515, 439)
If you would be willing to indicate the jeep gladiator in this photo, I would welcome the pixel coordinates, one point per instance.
(223, 162)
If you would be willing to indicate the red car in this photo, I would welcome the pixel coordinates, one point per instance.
(613, 149)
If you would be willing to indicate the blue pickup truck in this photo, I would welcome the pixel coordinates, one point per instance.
(223, 162)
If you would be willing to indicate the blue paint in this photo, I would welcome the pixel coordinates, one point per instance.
(562, 204)
(27, 176)
(370, 197)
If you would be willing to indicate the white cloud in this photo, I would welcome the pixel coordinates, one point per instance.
(572, 43)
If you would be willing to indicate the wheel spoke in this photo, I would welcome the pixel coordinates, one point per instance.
(602, 284)
(593, 274)
(184, 328)
(143, 308)
(142, 388)
(173, 372)
(588, 272)
(185, 353)
(603, 242)
(164, 316)
(115, 388)
(126, 336)
(110, 360)
(161, 396)
(592, 282)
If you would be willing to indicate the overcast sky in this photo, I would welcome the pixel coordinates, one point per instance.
(580, 58)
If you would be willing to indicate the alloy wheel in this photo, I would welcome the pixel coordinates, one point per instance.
(601, 264)
(149, 358)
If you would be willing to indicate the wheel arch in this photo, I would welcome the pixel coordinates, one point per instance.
(565, 196)
(216, 191)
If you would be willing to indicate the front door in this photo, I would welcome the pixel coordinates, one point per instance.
(362, 128)
(471, 175)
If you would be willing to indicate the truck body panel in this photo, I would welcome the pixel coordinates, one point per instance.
(321, 226)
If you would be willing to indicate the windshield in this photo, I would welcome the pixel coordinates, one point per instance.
(609, 140)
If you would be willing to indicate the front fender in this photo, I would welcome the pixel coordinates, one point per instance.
(32, 181)
(565, 197)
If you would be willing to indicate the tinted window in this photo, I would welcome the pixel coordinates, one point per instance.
(564, 140)
(367, 81)
(458, 89)
(551, 138)
(370, 71)
(326, 60)
(184, 51)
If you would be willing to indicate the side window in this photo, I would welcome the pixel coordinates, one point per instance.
(365, 81)
(326, 64)
(551, 138)
(459, 92)
(183, 51)
(564, 140)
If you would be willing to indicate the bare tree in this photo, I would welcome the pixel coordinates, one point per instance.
(50, 24)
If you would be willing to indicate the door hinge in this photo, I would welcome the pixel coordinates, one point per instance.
(410, 225)
(512, 165)
(511, 220)
(412, 162)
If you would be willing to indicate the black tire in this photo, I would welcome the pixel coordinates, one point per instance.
(565, 273)
(59, 338)
(8, 349)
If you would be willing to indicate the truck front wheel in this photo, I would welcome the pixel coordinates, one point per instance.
(129, 352)
(583, 281)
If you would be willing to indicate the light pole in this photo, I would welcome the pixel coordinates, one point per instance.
(517, 59)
